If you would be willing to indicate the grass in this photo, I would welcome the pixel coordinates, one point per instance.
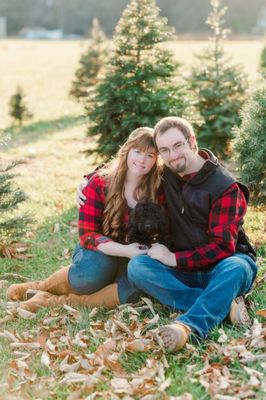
(52, 146)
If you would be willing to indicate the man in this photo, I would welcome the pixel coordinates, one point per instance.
(210, 261)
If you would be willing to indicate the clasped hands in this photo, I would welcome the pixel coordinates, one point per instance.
(161, 253)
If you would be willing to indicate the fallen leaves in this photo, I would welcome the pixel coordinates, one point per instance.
(90, 361)
(15, 250)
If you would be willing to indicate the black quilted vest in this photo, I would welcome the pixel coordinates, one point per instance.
(190, 202)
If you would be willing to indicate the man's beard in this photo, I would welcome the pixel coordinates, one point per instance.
(180, 167)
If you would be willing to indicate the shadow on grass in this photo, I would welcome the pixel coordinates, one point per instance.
(30, 133)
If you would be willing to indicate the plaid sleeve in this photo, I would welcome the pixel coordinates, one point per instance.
(90, 214)
(225, 218)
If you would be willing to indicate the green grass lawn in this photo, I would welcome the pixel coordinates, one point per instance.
(54, 164)
(229, 363)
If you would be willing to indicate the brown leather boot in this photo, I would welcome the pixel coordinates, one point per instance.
(105, 297)
(57, 283)
(174, 336)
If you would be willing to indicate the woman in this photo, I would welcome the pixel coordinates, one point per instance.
(98, 274)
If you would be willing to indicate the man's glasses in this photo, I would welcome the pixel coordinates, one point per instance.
(176, 148)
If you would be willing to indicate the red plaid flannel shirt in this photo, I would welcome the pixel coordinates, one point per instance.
(224, 220)
(225, 217)
(91, 213)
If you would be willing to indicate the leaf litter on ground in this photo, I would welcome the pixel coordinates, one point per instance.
(89, 360)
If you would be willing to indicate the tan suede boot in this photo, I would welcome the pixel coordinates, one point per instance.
(106, 297)
(17, 291)
(57, 283)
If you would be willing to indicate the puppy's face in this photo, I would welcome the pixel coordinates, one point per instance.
(146, 218)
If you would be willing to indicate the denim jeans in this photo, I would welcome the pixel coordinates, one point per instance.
(91, 271)
(205, 297)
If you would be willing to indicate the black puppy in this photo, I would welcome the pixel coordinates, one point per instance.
(148, 223)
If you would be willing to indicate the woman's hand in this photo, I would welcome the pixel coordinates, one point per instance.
(163, 254)
(80, 197)
(134, 249)
(122, 250)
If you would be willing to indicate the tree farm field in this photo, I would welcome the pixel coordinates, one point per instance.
(48, 356)
(45, 69)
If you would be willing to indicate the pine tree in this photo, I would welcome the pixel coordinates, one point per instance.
(250, 144)
(18, 109)
(220, 86)
(141, 85)
(11, 225)
(91, 64)
(263, 59)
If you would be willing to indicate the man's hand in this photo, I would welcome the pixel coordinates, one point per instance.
(80, 198)
(163, 254)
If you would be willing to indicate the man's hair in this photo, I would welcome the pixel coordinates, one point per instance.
(174, 122)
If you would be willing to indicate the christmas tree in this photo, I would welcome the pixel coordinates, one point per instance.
(141, 84)
(263, 58)
(18, 109)
(220, 87)
(91, 65)
(250, 144)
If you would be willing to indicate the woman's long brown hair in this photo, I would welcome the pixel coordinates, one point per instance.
(115, 175)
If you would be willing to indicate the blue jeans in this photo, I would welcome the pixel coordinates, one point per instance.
(206, 297)
(91, 271)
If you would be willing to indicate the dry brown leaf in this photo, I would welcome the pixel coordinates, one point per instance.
(3, 283)
(9, 336)
(74, 377)
(114, 365)
(26, 345)
(123, 327)
(56, 228)
(45, 359)
(223, 337)
(73, 312)
(108, 347)
(25, 314)
(262, 313)
(121, 385)
(138, 345)
(6, 319)
(185, 396)
(149, 304)
(154, 320)
(93, 312)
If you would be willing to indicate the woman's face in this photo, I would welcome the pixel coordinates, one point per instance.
(141, 162)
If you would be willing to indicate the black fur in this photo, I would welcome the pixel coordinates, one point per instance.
(149, 224)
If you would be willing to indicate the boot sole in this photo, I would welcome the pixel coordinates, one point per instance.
(30, 293)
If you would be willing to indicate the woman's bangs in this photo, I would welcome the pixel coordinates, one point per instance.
(144, 144)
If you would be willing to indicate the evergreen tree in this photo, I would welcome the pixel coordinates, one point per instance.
(141, 85)
(91, 64)
(250, 144)
(220, 86)
(11, 225)
(17, 106)
(263, 59)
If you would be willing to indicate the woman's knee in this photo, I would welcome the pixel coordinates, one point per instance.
(91, 271)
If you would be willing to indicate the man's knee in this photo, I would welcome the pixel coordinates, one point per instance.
(239, 267)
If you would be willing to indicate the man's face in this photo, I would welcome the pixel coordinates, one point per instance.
(176, 151)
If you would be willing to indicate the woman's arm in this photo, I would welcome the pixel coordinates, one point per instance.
(90, 222)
